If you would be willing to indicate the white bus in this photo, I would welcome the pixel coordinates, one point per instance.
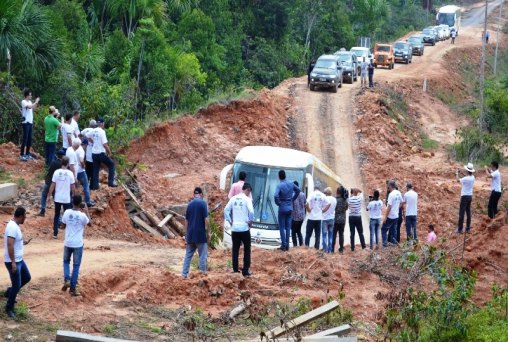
(262, 164)
(449, 15)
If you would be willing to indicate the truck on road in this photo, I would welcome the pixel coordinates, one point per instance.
(384, 56)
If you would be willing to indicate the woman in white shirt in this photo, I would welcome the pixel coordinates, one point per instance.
(374, 208)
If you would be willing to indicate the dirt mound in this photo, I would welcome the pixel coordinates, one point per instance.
(17, 169)
(176, 156)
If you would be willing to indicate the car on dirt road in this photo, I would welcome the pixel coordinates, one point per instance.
(360, 53)
(327, 73)
(447, 30)
(416, 42)
(429, 36)
(350, 66)
(441, 33)
(383, 56)
(403, 52)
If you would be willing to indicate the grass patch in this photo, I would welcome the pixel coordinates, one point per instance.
(429, 143)
(110, 329)
(395, 107)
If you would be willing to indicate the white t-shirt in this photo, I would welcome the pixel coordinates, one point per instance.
(73, 159)
(316, 201)
(75, 128)
(75, 222)
(99, 139)
(394, 200)
(375, 208)
(330, 213)
(365, 66)
(411, 200)
(87, 133)
(12, 230)
(27, 113)
(66, 130)
(355, 205)
(495, 183)
(80, 155)
(63, 178)
(467, 185)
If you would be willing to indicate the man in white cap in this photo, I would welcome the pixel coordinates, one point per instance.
(466, 197)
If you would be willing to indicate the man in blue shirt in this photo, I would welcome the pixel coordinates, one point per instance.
(239, 212)
(197, 234)
(285, 194)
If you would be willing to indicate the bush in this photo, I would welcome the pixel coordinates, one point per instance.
(477, 146)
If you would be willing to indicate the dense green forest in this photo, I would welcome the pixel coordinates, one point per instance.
(137, 59)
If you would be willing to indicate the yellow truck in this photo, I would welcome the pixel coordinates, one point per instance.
(384, 56)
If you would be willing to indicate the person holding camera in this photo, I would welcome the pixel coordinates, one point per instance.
(374, 208)
(495, 183)
(340, 218)
(74, 221)
(466, 197)
(355, 216)
(239, 212)
(392, 214)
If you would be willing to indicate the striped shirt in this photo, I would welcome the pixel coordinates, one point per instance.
(355, 205)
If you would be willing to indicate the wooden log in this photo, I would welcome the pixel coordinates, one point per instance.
(137, 220)
(165, 220)
(131, 195)
(177, 226)
(301, 320)
(338, 331)
(71, 336)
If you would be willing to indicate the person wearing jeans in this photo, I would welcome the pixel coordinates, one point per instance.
(315, 204)
(101, 154)
(340, 218)
(239, 213)
(410, 203)
(355, 217)
(13, 258)
(55, 165)
(27, 108)
(297, 217)
(196, 219)
(285, 193)
(374, 208)
(392, 217)
(63, 183)
(466, 197)
(328, 220)
(495, 184)
(75, 221)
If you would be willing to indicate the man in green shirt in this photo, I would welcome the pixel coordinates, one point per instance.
(51, 126)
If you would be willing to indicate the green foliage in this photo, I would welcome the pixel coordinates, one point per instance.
(429, 143)
(110, 329)
(216, 232)
(476, 146)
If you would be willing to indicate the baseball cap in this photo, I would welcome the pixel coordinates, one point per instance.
(100, 120)
(197, 190)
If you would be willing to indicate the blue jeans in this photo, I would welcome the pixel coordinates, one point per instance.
(411, 227)
(374, 231)
(390, 224)
(83, 180)
(26, 141)
(284, 228)
(49, 152)
(18, 279)
(77, 254)
(327, 235)
(99, 159)
(44, 196)
(56, 219)
(202, 249)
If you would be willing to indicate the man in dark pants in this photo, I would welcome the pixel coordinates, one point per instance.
(392, 214)
(466, 197)
(51, 126)
(239, 213)
(285, 193)
(55, 165)
(355, 216)
(27, 108)
(297, 217)
(340, 218)
(371, 74)
(495, 183)
(315, 204)
(13, 258)
(101, 154)
(88, 146)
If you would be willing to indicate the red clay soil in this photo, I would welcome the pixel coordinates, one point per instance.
(10, 163)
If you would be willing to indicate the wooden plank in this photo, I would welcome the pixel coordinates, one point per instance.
(177, 226)
(165, 220)
(321, 339)
(153, 221)
(71, 336)
(338, 331)
(304, 319)
(141, 223)
(131, 195)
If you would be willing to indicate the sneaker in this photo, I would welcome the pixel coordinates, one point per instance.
(11, 314)
(23, 158)
(42, 213)
(90, 204)
(247, 274)
(55, 237)
(66, 285)
(458, 231)
(75, 292)
(341, 251)
(29, 157)
(114, 185)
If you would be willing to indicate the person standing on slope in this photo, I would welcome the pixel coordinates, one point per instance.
(236, 188)
(315, 204)
(355, 202)
(495, 183)
(392, 214)
(375, 208)
(328, 221)
(297, 217)
(410, 203)
(364, 72)
(51, 126)
(466, 197)
(453, 34)
(371, 74)
(27, 108)
(285, 193)
(340, 218)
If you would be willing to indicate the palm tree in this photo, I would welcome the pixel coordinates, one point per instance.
(26, 37)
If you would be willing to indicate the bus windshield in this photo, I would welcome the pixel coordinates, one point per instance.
(264, 180)
(446, 18)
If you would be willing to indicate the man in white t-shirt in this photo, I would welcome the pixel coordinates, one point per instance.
(392, 214)
(410, 203)
(466, 197)
(101, 154)
(315, 204)
(375, 208)
(13, 257)
(88, 145)
(495, 184)
(63, 183)
(74, 124)
(328, 221)
(67, 132)
(76, 156)
(365, 72)
(355, 202)
(27, 108)
(75, 220)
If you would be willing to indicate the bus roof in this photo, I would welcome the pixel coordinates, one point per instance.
(449, 9)
(275, 156)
